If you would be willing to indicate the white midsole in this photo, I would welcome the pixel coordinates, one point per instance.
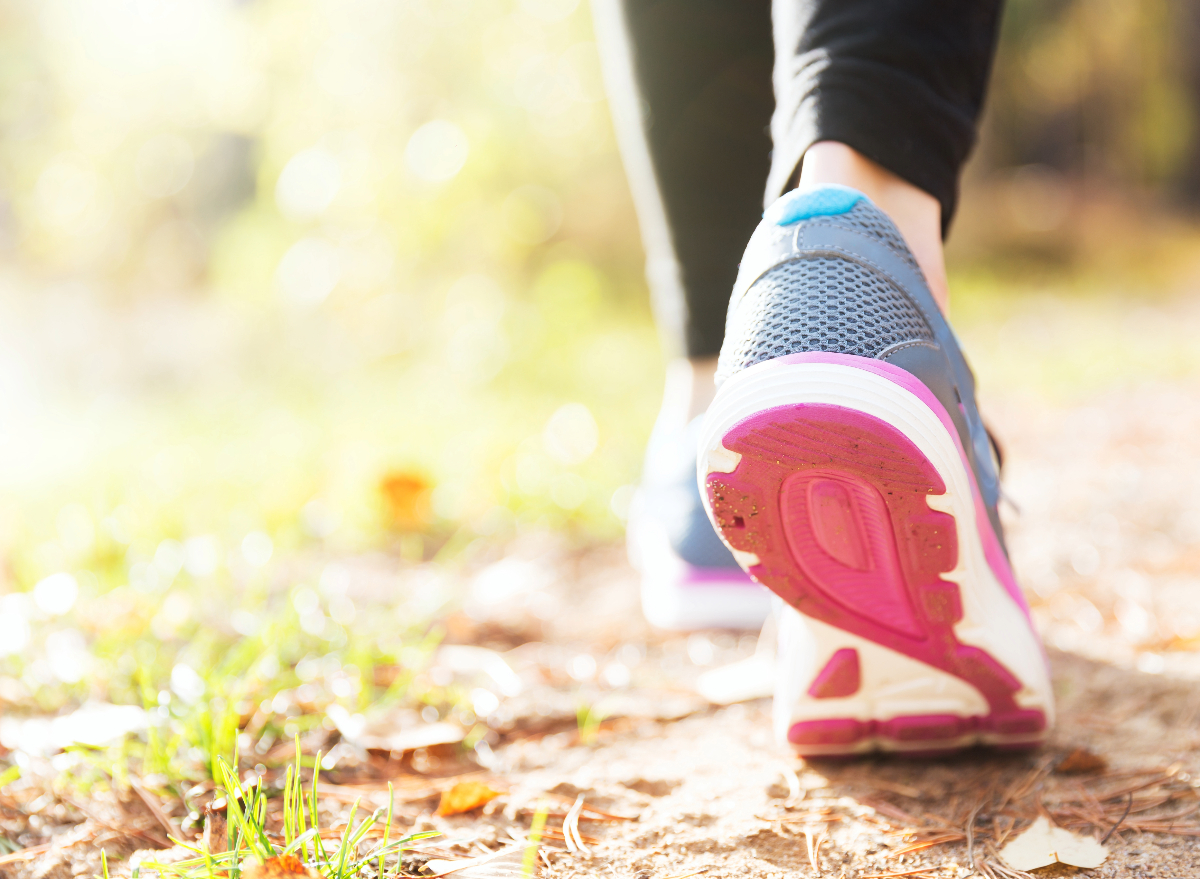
(893, 684)
(991, 619)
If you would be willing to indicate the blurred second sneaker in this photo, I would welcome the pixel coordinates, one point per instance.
(690, 579)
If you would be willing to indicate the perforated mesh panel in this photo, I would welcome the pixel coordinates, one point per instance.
(819, 304)
(867, 218)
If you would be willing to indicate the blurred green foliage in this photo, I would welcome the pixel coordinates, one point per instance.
(1099, 89)
(263, 254)
(284, 282)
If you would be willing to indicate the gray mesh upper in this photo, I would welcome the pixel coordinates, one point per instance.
(865, 217)
(824, 302)
(819, 304)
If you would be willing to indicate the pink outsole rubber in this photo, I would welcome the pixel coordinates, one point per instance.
(832, 502)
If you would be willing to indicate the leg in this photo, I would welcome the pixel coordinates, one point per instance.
(883, 97)
(900, 82)
(690, 92)
(689, 85)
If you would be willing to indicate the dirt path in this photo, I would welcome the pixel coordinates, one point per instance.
(1108, 544)
(601, 712)
(711, 791)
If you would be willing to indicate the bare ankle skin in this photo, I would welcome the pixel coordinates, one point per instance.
(916, 213)
(690, 388)
(702, 378)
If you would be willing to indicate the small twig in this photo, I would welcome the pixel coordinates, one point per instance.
(25, 854)
(795, 792)
(824, 816)
(988, 869)
(814, 849)
(889, 810)
(1124, 815)
(971, 836)
(592, 809)
(1112, 795)
(922, 844)
(693, 873)
(570, 831)
(159, 841)
(1001, 837)
(1021, 787)
(447, 867)
(156, 810)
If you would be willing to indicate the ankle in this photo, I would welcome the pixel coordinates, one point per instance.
(916, 213)
(703, 384)
(690, 388)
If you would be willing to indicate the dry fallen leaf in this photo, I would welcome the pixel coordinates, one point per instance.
(750, 678)
(1081, 761)
(465, 796)
(216, 832)
(407, 498)
(502, 864)
(1044, 844)
(282, 867)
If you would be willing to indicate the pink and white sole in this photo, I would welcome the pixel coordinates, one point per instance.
(840, 483)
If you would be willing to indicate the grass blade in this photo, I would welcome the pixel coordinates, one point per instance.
(300, 841)
(318, 843)
(344, 848)
(535, 839)
(299, 822)
(289, 830)
(387, 827)
(249, 820)
(398, 846)
(9, 775)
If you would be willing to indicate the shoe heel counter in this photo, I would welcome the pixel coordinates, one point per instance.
(793, 298)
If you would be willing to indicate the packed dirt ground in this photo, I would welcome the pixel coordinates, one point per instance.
(603, 727)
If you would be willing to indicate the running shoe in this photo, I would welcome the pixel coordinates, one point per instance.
(845, 464)
(690, 579)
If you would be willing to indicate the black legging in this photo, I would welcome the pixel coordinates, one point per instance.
(690, 85)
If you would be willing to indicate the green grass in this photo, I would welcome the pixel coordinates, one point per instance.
(588, 719)
(208, 691)
(250, 841)
(529, 860)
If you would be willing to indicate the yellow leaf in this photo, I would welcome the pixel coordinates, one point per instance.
(465, 796)
(1081, 761)
(406, 496)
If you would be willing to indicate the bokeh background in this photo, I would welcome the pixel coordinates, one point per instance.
(283, 283)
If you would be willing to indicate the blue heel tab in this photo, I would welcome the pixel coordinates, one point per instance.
(804, 204)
